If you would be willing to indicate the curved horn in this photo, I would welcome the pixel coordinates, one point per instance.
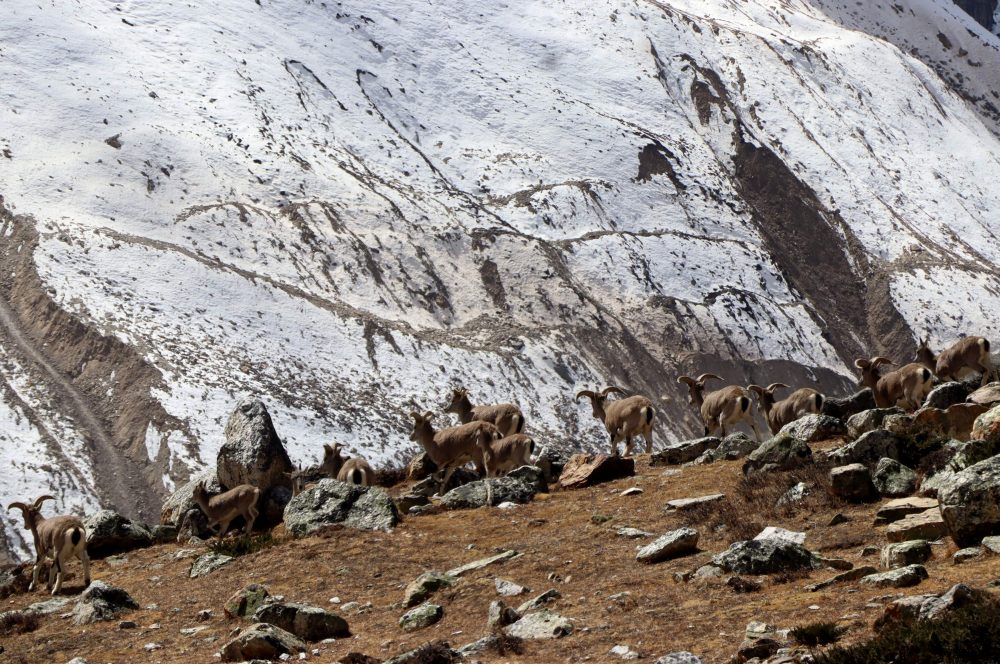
(414, 414)
(429, 415)
(611, 388)
(705, 376)
(686, 379)
(585, 393)
(773, 386)
(41, 499)
(876, 361)
(756, 388)
(862, 364)
(20, 506)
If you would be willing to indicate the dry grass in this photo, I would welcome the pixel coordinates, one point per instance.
(587, 562)
(18, 622)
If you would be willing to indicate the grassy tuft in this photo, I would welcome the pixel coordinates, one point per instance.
(817, 634)
(242, 544)
(18, 622)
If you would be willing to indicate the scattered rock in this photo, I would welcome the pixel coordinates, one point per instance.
(844, 408)
(677, 543)
(425, 585)
(430, 485)
(838, 519)
(436, 652)
(501, 615)
(109, 533)
(682, 657)
(987, 426)
(482, 562)
(992, 544)
(507, 588)
(947, 394)
(420, 617)
(541, 625)
(261, 641)
(849, 575)
(927, 525)
(734, 446)
(309, 623)
(795, 494)
(929, 607)
(902, 554)
(894, 510)
(633, 533)
(869, 420)
(15, 580)
(853, 483)
(813, 428)
(127, 624)
(420, 467)
(252, 454)
(683, 504)
(903, 577)
(760, 649)
(868, 449)
(893, 479)
(767, 556)
(684, 451)
(773, 532)
(631, 491)
(405, 502)
(783, 452)
(741, 585)
(245, 602)
(208, 563)
(539, 602)
(970, 501)
(491, 491)
(332, 501)
(969, 553)
(589, 469)
(101, 601)
(624, 652)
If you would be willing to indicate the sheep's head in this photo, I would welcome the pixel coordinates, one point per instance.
(924, 354)
(31, 512)
(200, 492)
(597, 399)
(765, 395)
(459, 401)
(420, 422)
(696, 386)
(870, 370)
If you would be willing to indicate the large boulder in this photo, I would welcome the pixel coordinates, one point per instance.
(421, 616)
(262, 641)
(893, 479)
(894, 510)
(309, 623)
(914, 608)
(783, 452)
(540, 625)
(684, 451)
(332, 501)
(853, 483)
(589, 469)
(843, 408)
(734, 446)
(102, 601)
(182, 499)
(987, 395)
(947, 394)
(869, 420)
(928, 525)
(868, 449)
(901, 554)
(986, 428)
(552, 461)
(674, 544)
(766, 556)
(253, 453)
(109, 533)
(813, 428)
(492, 491)
(246, 601)
(531, 475)
(970, 502)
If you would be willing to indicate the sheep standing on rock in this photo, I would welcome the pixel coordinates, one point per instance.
(59, 538)
(971, 354)
(623, 418)
(908, 385)
(453, 447)
(798, 404)
(721, 408)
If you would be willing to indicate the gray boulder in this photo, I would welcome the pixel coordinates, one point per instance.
(853, 483)
(903, 577)
(674, 544)
(532, 476)
(767, 556)
(893, 479)
(902, 554)
(930, 607)
(102, 601)
(425, 585)
(843, 408)
(208, 563)
(947, 394)
(492, 491)
(14, 580)
(501, 615)
(783, 452)
(681, 657)
(986, 395)
(541, 625)
(332, 501)
(422, 616)
(734, 446)
(814, 428)
(309, 623)
(869, 420)
(193, 524)
(970, 502)
(253, 453)
(868, 449)
(182, 499)
(987, 426)
(109, 533)
(684, 451)
(262, 641)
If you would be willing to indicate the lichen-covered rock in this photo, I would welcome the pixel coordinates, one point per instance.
(208, 563)
(853, 483)
(814, 428)
(424, 585)
(683, 451)
(768, 556)
(262, 641)
(796, 493)
(14, 580)
(309, 623)
(930, 607)
(102, 601)
(893, 479)
(987, 427)
(783, 452)
(541, 625)
(109, 533)
(252, 454)
(533, 476)
(332, 501)
(903, 577)
(420, 617)
(901, 554)
(500, 615)
(869, 420)
(970, 502)
(734, 446)
(246, 601)
(674, 544)
(947, 394)
(182, 499)
(868, 449)
(492, 491)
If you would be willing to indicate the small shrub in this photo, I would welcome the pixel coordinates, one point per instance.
(598, 519)
(357, 658)
(817, 634)
(242, 545)
(504, 644)
(18, 622)
(435, 652)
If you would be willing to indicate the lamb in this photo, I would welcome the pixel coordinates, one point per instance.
(303, 478)
(506, 454)
(968, 354)
(58, 538)
(223, 508)
(507, 417)
(623, 418)
(724, 407)
(355, 470)
(453, 447)
(908, 385)
(797, 404)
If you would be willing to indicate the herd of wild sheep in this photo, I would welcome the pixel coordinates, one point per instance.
(491, 438)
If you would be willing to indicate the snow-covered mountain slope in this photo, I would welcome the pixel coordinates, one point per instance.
(348, 208)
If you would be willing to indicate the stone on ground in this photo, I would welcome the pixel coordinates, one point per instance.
(102, 601)
(542, 624)
(970, 500)
(813, 428)
(676, 543)
(244, 602)
(208, 563)
(309, 623)
(853, 483)
(425, 585)
(927, 525)
(767, 556)
(901, 554)
(261, 641)
(584, 470)
(893, 479)
(332, 501)
(902, 577)
(421, 616)
(783, 452)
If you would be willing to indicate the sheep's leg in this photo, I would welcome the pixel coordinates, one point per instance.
(753, 425)
(34, 575)
(223, 529)
(648, 435)
(85, 560)
(60, 566)
(987, 371)
(614, 445)
(722, 426)
(444, 482)
(250, 517)
(628, 445)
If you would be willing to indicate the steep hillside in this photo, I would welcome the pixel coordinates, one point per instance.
(349, 208)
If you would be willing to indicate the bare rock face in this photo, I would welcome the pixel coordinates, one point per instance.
(590, 469)
(261, 641)
(970, 502)
(253, 453)
(853, 483)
